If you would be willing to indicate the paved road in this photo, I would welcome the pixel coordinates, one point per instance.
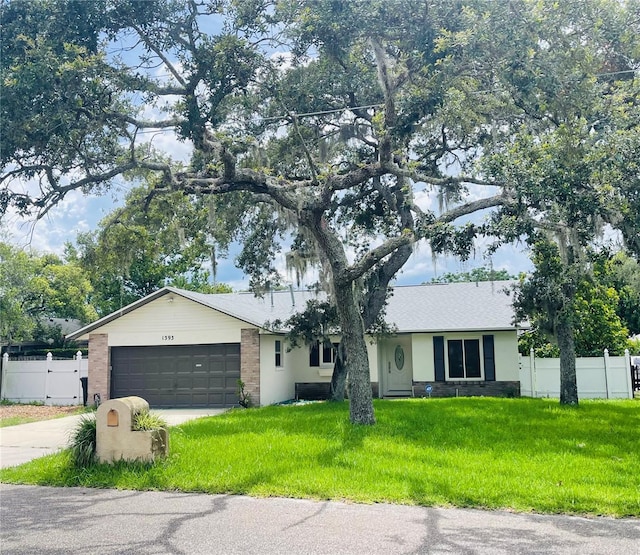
(20, 444)
(82, 521)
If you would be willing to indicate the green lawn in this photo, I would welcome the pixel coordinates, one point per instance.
(520, 454)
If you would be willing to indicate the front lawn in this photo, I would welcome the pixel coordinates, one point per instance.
(519, 454)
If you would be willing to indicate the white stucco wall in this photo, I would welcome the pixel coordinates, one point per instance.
(172, 322)
(422, 352)
(276, 383)
(506, 348)
(303, 373)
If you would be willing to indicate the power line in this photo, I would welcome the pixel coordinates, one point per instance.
(368, 106)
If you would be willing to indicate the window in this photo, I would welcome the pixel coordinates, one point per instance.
(464, 358)
(325, 356)
(461, 357)
(278, 349)
(329, 353)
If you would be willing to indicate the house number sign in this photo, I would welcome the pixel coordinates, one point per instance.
(168, 338)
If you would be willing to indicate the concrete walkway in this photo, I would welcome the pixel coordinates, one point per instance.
(23, 443)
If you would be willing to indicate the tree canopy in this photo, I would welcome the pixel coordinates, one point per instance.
(34, 288)
(134, 252)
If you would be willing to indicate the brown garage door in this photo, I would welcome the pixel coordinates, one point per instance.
(177, 376)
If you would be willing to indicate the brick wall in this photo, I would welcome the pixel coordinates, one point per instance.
(314, 391)
(250, 363)
(99, 375)
(467, 389)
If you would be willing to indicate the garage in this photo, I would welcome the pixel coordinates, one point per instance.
(177, 376)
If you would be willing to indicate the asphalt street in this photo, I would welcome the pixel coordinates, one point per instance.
(85, 521)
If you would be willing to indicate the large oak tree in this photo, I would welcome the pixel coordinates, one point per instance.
(311, 122)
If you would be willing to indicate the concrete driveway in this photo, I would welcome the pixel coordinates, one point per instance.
(20, 444)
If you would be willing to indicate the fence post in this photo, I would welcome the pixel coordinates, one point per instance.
(78, 358)
(532, 374)
(5, 368)
(47, 378)
(627, 359)
(606, 372)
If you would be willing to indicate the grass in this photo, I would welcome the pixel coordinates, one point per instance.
(515, 454)
(17, 420)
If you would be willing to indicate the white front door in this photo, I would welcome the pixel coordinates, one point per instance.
(397, 370)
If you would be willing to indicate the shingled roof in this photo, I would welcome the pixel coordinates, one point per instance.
(411, 308)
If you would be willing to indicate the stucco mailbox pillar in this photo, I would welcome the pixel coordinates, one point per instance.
(115, 438)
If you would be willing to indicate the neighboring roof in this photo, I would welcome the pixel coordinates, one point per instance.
(411, 308)
(66, 325)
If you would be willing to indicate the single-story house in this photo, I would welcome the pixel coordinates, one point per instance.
(178, 348)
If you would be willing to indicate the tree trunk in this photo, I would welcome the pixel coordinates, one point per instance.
(372, 304)
(568, 381)
(356, 360)
(353, 344)
(339, 376)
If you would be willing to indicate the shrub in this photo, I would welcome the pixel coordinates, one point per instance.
(244, 398)
(83, 442)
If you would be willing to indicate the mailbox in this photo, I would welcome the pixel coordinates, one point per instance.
(117, 440)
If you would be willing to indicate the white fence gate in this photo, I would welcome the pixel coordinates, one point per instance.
(604, 377)
(53, 382)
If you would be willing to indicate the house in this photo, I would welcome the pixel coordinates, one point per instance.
(178, 348)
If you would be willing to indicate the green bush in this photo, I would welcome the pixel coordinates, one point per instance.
(244, 398)
(145, 420)
(83, 442)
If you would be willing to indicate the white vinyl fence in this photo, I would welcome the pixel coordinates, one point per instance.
(53, 382)
(604, 377)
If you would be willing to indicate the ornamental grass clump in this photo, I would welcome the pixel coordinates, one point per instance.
(145, 420)
(83, 442)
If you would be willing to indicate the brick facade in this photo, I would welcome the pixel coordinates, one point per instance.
(250, 363)
(99, 364)
(467, 389)
(320, 391)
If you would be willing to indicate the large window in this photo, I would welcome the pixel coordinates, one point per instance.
(459, 359)
(464, 358)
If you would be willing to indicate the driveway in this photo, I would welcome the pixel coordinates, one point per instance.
(82, 521)
(20, 444)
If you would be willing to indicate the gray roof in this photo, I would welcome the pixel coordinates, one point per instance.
(411, 308)
(452, 307)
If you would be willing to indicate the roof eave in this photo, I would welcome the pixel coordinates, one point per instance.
(141, 302)
(118, 313)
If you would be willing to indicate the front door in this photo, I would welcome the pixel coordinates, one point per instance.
(397, 370)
